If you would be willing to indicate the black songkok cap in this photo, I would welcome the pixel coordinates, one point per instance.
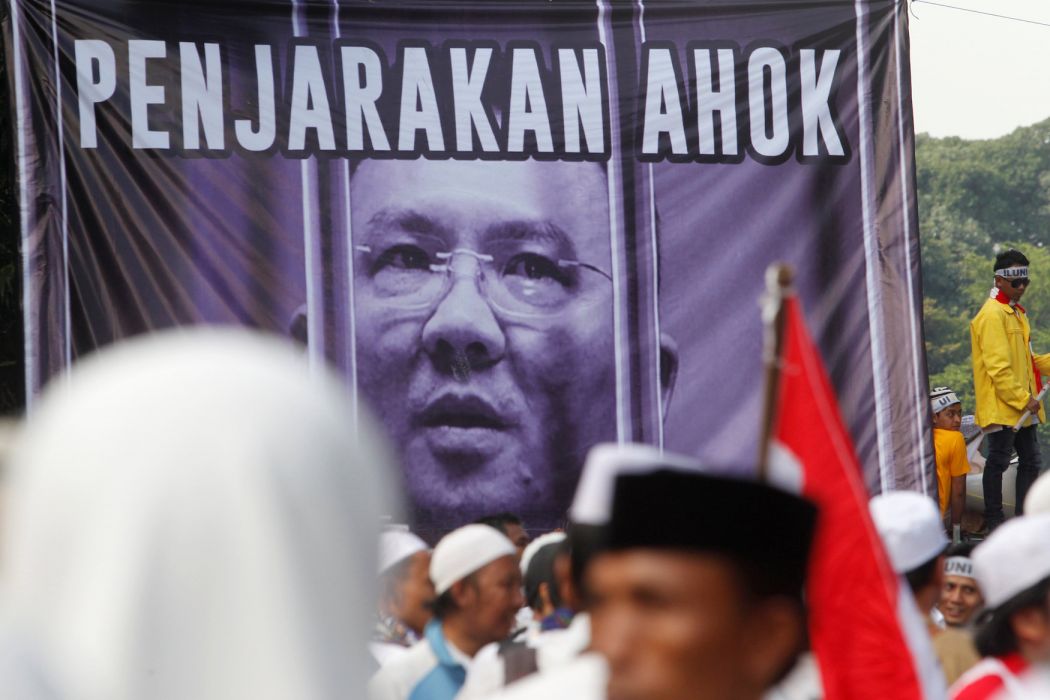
(765, 530)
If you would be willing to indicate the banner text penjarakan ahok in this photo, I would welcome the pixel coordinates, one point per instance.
(472, 99)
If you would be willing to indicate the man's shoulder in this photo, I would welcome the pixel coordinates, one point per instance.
(994, 317)
(398, 676)
(583, 678)
(986, 680)
(485, 674)
(993, 308)
(385, 652)
(982, 688)
(949, 439)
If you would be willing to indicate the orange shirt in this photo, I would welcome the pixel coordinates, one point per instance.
(949, 447)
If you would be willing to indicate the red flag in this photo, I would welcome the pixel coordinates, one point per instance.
(853, 595)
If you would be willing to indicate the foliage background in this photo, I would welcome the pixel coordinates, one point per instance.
(975, 199)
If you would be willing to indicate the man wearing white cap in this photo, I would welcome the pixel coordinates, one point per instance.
(547, 642)
(405, 591)
(961, 599)
(960, 604)
(478, 585)
(1013, 568)
(911, 531)
(913, 534)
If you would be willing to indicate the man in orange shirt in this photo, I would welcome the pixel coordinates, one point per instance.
(950, 450)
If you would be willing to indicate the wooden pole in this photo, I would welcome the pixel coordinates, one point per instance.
(779, 278)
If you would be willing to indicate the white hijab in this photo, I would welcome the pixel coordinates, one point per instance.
(193, 519)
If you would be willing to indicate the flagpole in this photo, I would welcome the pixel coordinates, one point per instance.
(779, 278)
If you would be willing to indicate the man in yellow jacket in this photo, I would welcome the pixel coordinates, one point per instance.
(1006, 379)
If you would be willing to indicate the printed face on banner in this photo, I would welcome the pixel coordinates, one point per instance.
(483, 317)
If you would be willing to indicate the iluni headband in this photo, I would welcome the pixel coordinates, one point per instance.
(1011, 273)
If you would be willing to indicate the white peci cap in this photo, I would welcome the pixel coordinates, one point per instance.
(910, 527)
(1038, 498)
(1013, 559)
(464, 551)
(397, 544)
(592, 504)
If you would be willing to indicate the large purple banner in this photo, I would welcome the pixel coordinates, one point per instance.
(518, 228)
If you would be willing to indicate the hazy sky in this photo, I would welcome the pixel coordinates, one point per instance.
(976, 76)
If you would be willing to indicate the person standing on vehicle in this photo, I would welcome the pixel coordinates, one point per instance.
(1006, 378)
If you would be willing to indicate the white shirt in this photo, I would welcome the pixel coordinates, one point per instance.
(1032, 685)
(385, 652)
(553, 648)
(398, 679)
(585, 677)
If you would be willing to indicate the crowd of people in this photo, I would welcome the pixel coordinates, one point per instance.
(639, 601)
(187, 515)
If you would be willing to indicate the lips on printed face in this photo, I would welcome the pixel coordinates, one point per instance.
(464, 430)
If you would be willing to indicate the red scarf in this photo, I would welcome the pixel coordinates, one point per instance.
(1003, 299)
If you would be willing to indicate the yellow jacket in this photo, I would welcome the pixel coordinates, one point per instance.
(1003, 379)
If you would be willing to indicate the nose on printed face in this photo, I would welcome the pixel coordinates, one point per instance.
(463, 334)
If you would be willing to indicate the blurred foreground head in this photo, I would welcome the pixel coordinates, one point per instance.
(912, 532)
(405, 588)
(192, 518)
(1013, 569)
(696, 589)
(9, 431)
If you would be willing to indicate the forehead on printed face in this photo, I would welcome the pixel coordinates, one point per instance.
(465, 200)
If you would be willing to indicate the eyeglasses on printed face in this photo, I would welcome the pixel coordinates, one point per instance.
(1020, 282)
(517, 279)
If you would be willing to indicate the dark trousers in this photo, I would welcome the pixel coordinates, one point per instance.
(1001, 446)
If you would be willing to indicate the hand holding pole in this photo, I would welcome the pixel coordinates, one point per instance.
(1027, 414)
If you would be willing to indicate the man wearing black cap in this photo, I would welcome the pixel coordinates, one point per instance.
(682, 607)
(689, 595)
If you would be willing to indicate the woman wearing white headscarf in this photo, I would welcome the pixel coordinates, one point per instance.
(192, 518)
